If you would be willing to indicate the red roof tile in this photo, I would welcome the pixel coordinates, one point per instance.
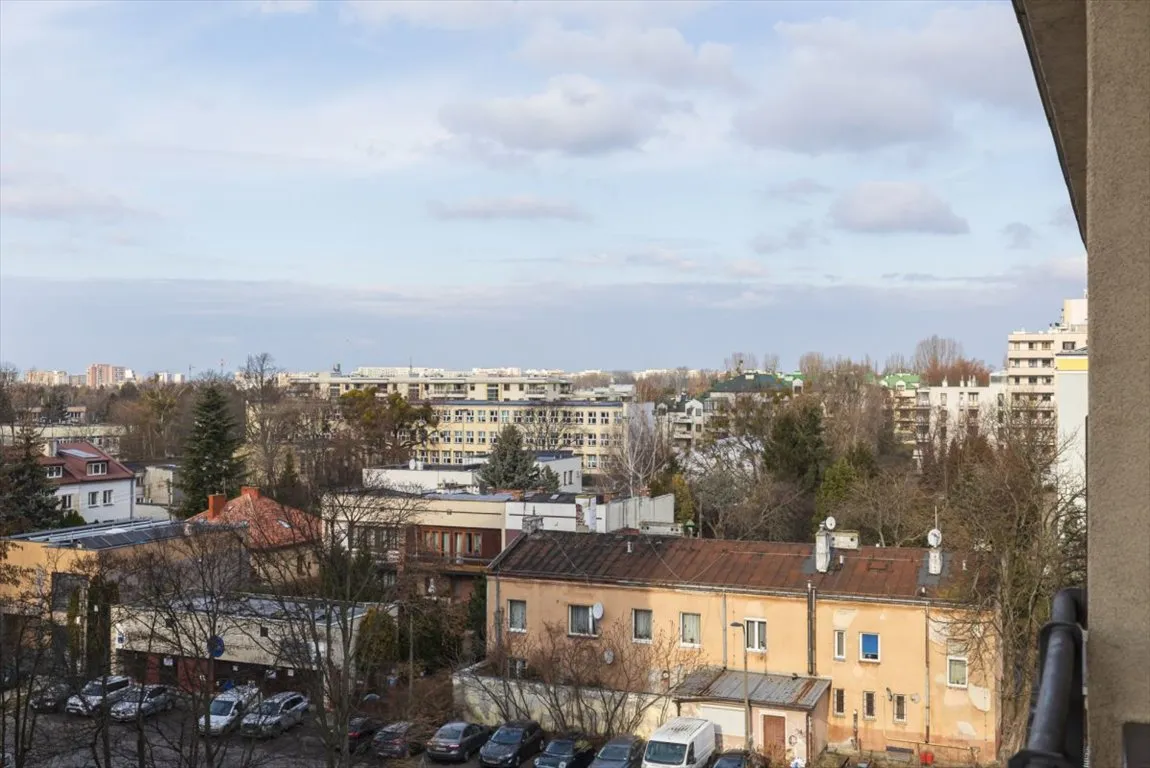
(271, 525)
(756, 566)
(76, 465)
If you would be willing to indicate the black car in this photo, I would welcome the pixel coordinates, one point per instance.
(400, 739)
(50, 698)
(512, 744)
(570, 751)
(738, 758)
(457, 741)
(620, 752)
(360, 732)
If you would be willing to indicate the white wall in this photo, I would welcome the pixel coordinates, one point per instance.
(1071, 401)
(608, 517)
(123, 499)
(464, 480)
(630, 512)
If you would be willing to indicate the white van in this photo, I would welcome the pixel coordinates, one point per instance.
(227, 709)
(684, 742)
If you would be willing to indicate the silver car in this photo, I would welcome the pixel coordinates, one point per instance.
(143, 701)
(275, 715)
(98, 694)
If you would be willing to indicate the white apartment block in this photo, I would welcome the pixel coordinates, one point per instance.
(428, 384)
(1071, 397)
(417, 477)
(47, 378)
(1030, 359)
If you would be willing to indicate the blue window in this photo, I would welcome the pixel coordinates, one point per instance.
(868, 646)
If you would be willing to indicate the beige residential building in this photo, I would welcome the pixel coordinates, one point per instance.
(923, 413)
(106, 375)
(46, 378)
(1030, 359)
(433, 384)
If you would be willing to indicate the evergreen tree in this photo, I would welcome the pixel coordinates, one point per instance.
(511, 467)
(796, 450)
(210, 464)
(27, 500)
(288, 490)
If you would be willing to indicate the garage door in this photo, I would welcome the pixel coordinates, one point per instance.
(729, 721)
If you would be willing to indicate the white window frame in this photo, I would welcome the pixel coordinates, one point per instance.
(55, 472)
(754, 647)
(894, 707)
(874, 705)
(683, 644)
(511, 627)
(878, 637)
(93, 499)
(642, 640)
(840, 645)
(590, 617)
(66, 501)
(965, 670)
(838, 696)
(108, 498)
(97, 468)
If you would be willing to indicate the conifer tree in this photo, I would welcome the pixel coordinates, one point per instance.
(27, 500)
(210, 464)
(511, 467)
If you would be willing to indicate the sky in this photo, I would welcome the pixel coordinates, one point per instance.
(566, 184)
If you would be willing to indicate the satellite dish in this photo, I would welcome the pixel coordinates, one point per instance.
(597, 611)
(830, 523)
(934, 538)
(608, 656)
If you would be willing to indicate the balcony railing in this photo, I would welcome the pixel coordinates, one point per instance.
(1056, 732)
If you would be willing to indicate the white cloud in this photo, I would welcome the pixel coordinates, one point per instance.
(287, 6)
(473, 14)
(850, 88)
(50, 197)
(659, 54)
(895, 206)
(1019, 236)
(574, 115)
(522, 207)
(796, 238)
(797, 190)
(747, 268)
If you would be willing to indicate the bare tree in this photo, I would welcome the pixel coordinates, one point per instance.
(812, 365)
(936, 352)
(270, 426)
(548, 426)
(770, 362)
(737, 362)
(640, 452)
(897, 363)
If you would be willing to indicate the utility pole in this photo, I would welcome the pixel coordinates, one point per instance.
(410, 658)
(747, 726)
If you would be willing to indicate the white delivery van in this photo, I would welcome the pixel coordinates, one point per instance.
(684, 742)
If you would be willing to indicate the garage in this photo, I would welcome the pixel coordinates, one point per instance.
(730, 722)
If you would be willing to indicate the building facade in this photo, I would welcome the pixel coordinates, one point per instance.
(433, 384)
(1071, 398)
(418, 477)
(90, 482)
(1030, 360)
(107, 375)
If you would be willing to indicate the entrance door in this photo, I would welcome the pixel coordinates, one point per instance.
(774, 743)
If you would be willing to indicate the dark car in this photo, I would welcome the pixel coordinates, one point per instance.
(620, 752)
(738, 758)
(570, 751)
(457, 741)
(400, 739)
(512, 744)
(50, 698)
(360, 731)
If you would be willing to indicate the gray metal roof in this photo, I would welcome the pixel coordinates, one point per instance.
(782, 691)
(107, 535)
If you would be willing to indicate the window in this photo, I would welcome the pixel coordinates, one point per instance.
(93, 498)
(690, 629)
(517, 615)
(868, 705)
(263, 631)
(641, 621)
(840, 644)
(516, 667)
(581, 622)
(97, 468)
(66, 501)
(755, 631)
(900, 708)
(300, 565)
(868, 646)
(56, 471)
(956, 671)
(107, 498)
(838, 702)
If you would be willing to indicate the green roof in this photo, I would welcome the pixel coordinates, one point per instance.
(756, 381)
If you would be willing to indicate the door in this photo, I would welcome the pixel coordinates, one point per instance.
(774, 737)
(730, 722)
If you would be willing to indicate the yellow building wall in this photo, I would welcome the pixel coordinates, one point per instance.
(34, 563)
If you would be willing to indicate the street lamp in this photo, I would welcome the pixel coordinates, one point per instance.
(746, 688)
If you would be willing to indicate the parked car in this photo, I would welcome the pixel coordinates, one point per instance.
(226, 710)
(740, 758)
(620, 752)
(512, 744)
(457, 741)
(98, 694)
(360, 731)
(275, 715)
(401, 739)
(50, 697)
(572, 750)
(143, 701)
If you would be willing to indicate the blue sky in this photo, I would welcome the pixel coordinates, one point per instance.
(564, 184)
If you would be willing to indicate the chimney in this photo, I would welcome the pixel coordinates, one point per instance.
(934, 562)
(251, 491)
(823, 549)
(216, 503)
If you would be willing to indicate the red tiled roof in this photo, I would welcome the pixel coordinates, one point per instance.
(754, 566)
(76, 467)
(271, 525)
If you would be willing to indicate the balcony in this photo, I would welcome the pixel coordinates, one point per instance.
(449, 563)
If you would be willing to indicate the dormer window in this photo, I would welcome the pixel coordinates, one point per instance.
(56, 472)
(97, 468)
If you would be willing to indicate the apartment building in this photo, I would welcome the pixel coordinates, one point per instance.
(1071, 402)
(417, 477)
(107, 375)
(1030, 360)
(432, 384)
(846, 648)
(90, 482)
(923, 413)
(46, 378)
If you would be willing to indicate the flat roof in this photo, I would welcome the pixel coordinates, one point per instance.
(108, 535)
(261, 607)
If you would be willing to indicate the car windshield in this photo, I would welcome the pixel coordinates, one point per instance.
(222, 707)
(507, 736)
(453, 731)
(665, 753)
(730, 761)
(269, 708)
(561, 747)
(135, 693)
(614, 752)
(396, 729)
(93, 689)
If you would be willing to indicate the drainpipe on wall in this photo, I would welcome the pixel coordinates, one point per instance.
(724, 609)
(811, 598)
(926, 691)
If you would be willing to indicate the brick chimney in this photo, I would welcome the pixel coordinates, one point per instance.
(216, 502)
(250, 491)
